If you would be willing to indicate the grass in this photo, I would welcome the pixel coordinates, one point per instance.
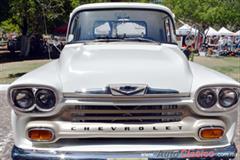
(227, 65)
(11, 71)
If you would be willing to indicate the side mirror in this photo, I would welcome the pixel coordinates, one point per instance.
(70, 37)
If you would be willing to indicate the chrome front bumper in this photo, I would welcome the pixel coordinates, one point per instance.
(225, 153)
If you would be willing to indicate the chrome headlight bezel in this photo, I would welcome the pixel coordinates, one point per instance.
(35, 108)
(39, 105)
(16, 102)
(235, 99)
(208, 94)
(217, 107)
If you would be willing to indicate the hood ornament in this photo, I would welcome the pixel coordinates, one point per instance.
(127, 89)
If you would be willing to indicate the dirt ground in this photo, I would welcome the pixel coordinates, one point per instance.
(6, 139)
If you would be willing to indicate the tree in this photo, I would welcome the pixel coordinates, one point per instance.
(216, 13)
(4, 7)
(76, 3)
(32, 16)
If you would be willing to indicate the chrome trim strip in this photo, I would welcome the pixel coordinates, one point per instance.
(161, 91)
(228, 152)
(111, 89)
(98, 94)
(127, 101)
(87, 95)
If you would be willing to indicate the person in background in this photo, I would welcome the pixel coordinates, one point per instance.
(187, 52)
(237, 47)
(220, 45)
(229, 44)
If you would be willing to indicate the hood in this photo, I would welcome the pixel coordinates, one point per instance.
(95, 66)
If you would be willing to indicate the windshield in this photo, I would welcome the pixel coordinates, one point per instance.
(122, 24)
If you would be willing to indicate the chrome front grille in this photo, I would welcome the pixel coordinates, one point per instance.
(124, 114)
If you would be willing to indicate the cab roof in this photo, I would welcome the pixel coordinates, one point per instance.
(120, 5)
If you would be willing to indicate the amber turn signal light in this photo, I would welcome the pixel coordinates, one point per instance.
(211, 133)
(42, 134)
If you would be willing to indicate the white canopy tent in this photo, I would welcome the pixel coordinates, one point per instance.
(237, 33)
(186, 29)
(225, 32)
(211, 32)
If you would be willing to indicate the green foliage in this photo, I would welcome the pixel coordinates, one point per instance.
(216, 13)
(76, 3)
(8, 26)
(31, 16)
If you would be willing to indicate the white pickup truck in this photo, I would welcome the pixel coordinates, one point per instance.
(122, 88)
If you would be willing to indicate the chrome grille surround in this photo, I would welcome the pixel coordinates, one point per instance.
(101, 106)
(124, 113)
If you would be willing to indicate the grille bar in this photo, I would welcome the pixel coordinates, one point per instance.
(125, 111)
(124, 114)
(125, 118)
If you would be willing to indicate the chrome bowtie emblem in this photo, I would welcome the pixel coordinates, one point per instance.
(127, 89)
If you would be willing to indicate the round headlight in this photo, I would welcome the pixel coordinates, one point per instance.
(23, 99)
(227, 97)
(45, 99)
(207, 98)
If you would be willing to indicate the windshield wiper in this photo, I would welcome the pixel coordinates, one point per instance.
(106, 39)
(141, 39)
(125, 39)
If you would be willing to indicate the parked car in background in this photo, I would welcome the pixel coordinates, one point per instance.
(3, 43)
(122, 88)
(14, 44)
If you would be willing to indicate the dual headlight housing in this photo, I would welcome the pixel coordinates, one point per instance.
(217, 98)
(36, 99)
